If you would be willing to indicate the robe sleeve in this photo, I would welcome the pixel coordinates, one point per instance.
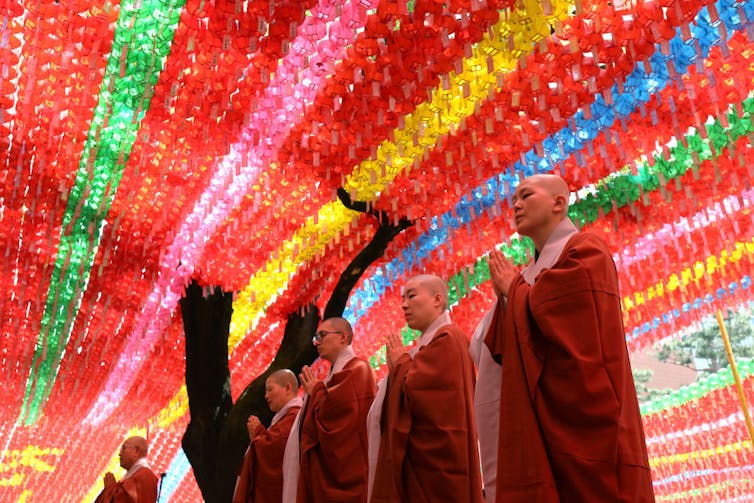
(268, 456)
(429, 445)
(276, 436)
(570, 423)
(585, 376)
(262, 471)
(334, 459)
(494, 338)
(330, 404)
(146, 486)
(140, 488)
(106, 495)
(245, 478)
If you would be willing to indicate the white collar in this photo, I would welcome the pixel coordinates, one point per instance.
(429, 333)
(345, 356)
(140, 463)
(296, 401)
(551, 250)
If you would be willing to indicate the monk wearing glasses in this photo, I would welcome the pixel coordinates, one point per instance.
(326, 454)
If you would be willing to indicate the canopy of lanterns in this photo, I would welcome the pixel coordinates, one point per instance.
(145, 143)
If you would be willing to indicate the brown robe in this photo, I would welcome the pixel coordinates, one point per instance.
(428, 450)
(260, 479)
(570, 429)
(141, 487)
(333, 443)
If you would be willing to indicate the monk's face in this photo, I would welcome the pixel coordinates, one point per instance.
(533, 207)
(276, 395)
(329, 341)
(129, 454)
(420, 306)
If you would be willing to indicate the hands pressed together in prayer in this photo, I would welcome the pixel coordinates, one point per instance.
(502, 272)
(394, 349)
(109, 480)
(252, 425)
(308, 379)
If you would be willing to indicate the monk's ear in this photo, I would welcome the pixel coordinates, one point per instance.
(560, 203)
(438, 299)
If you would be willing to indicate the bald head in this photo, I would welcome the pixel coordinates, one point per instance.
(424, 299)
(332, 337)
(280, 388)
(341, 325)
(434, 285)
(540, 203)
(139, 443)
(132, 450)
(553, 184)
(284, 377)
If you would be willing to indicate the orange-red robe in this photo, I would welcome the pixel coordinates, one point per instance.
(570, 429)
(141, 487)
(261, 477)
(334, 438)
(428, 450)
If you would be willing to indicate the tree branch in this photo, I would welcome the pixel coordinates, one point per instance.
(216, 437)
(385, 233)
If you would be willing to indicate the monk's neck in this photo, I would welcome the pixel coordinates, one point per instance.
(540, 238)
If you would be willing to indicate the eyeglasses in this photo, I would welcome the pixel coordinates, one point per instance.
(322, 333)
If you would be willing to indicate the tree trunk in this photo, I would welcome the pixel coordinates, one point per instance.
(206, 322)
(216, 437)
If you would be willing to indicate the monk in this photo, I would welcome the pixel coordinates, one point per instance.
(261, 477)
(428, 444)
(139, 485)
(326, 456)
(570, 429)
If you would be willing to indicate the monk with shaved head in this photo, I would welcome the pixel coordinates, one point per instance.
(569, 425)
(139, 485)
(326, 456)
(422, 434)
(260, 479)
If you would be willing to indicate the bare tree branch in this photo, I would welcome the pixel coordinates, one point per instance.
(216, 437)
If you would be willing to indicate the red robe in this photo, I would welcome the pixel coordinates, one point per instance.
(141, 487)
(333, 442)
(428, 451)
(570, 429)
(261, 477)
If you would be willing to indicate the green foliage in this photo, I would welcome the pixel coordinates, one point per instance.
(643, 391)
(704, 347)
